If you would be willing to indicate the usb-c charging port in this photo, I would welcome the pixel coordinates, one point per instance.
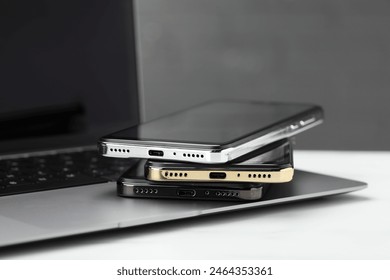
(186, 193)
(156, 153)
(217, 175)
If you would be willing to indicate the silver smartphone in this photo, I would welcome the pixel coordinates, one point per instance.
(214, 132)
(132, 184)
(272, 163)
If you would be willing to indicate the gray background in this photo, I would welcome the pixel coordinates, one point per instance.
(330, 52)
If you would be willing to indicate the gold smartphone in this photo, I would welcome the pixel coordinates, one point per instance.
(270, 164)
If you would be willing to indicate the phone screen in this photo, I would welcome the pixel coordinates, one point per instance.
(215, 123)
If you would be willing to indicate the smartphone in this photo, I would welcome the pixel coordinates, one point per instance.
(214, 132)
(143, 189)
(132, 184)
(270, 164)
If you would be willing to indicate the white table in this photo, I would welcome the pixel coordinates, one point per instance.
(350, 226)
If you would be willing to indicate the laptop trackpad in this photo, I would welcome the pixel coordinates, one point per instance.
(13, 231)
(94, 207)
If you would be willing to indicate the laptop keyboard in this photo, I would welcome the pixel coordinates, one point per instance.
(44, 172)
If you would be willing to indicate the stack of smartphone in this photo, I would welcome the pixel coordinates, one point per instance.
(222, 150)
(245, 178)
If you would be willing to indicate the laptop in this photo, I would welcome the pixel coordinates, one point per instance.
(68, 75)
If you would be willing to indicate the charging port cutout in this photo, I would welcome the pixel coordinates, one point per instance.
(217, 175)
(156, 153)
(186, 193)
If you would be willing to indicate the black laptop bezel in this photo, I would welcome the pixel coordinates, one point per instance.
(123, 13)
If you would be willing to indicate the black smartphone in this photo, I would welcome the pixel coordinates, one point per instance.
(214, 132)
(132, 184)
(270, 164)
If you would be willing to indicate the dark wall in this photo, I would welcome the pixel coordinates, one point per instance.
(329, 52)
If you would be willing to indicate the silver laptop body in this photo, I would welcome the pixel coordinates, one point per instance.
(71, 211)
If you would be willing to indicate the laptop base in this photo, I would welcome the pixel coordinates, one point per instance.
(65, 212)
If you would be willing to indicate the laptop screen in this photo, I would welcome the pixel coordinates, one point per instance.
(66, 66)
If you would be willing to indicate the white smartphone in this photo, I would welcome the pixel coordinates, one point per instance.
(270, 164)
(214, 132)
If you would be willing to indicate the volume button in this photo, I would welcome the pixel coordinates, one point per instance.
(306, 122)
(294, 127)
